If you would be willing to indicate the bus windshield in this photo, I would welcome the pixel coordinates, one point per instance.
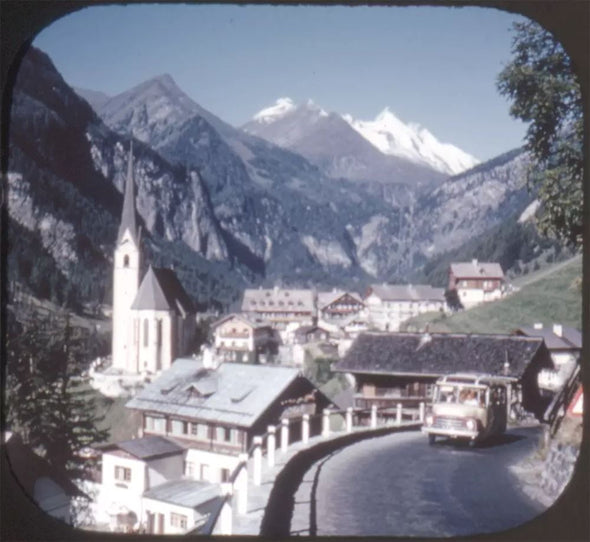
(463, 395)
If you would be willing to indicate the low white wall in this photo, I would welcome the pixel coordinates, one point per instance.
(167, 509)
(215, 462)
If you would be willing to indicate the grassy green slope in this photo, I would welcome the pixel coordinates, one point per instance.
(550, 295)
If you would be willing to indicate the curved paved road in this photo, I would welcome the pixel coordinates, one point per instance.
(398, 485)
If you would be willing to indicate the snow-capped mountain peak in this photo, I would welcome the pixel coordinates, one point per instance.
(276, 111)
(312, 106)
(411, 141)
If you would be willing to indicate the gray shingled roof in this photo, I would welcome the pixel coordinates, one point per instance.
(128, 215)
(160, 289)
(408, 292)
(440, 353)
(148, 447)
(184, 492)
(240, 393)
(571, 338)
(277, 300)
(475, 269)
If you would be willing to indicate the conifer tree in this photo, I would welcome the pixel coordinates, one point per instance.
(48, 399)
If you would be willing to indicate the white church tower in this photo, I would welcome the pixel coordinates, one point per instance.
(127, 261)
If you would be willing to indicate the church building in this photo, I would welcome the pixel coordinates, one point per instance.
(153, 321)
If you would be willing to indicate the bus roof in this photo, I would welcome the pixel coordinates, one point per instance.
(475, 379)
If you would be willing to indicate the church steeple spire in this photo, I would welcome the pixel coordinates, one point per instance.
(128, 216)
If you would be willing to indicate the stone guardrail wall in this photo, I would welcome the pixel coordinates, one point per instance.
(279, 511)
(236, 489)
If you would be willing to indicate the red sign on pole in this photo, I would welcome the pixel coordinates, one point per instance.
(576, 407)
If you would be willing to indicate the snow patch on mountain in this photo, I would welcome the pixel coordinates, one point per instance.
(529, 212)
(276, 111)
(392, 136)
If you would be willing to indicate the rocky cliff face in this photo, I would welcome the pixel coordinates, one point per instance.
(273, 205)
(66, 173)
(226, 207)
(471, 203)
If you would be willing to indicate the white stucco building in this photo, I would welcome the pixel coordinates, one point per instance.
(389, 305)
(476, 282)
(153, 320)
(280, 307)
(565, 346)
(144, 488)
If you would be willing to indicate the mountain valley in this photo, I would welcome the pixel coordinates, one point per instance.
(226, 207)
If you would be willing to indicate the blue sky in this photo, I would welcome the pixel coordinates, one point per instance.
(434, 66)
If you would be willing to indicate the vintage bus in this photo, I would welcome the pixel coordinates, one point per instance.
(472, 407)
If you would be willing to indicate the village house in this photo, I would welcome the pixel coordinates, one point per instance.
(390, 305)
(307, 334)
(337, 306)
(565, 346)
(144, 488)
(391, 368)
(153, 320)
(280, 307)
(196, 420)
(476, 282)
(238, 338)
(343, 314)
(309, 343)
(214, 412)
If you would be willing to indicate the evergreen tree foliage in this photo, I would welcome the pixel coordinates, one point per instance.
(47, 394)
(542, 86)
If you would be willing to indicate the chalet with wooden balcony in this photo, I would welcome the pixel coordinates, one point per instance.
(239, 338)
(337, 306)
(214, 413)
(390, 368)
(476, 282)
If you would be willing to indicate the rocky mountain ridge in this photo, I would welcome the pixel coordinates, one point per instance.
(65, 182)
(413, 142)
(225, 207)
(401, 153)
(329, 142)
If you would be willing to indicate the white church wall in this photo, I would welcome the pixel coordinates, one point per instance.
(125, 286)
(154, 345)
